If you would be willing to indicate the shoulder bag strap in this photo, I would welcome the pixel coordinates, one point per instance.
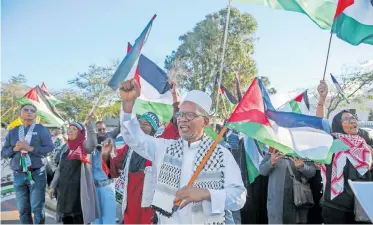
(290, 169)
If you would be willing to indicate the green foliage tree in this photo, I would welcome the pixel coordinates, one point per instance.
(11, 92)
(87, 87)
(196, 62)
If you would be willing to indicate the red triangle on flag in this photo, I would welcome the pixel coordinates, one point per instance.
(32, 95)
(299, 98)
(342, 5)
(251, 107)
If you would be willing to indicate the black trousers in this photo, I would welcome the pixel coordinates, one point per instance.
(315, 213)
(73, 219)
(335, 216)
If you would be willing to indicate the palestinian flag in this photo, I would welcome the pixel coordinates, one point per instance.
(320, 12)
(253, 156)
(51, 99)
(128, 66)
(339, 88)
(353, 21)
(223, 90)
(291, 133)
(299, 104)
(152, 73)
(36, 97)
(155, 95)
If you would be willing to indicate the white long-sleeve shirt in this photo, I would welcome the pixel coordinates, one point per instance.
(231, 198)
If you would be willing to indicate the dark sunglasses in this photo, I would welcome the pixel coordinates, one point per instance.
(187, 115)
(28, 110)
(101, 129)
(349, 119)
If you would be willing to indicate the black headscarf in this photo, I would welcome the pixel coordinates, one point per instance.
(337, 128)
(337, 123)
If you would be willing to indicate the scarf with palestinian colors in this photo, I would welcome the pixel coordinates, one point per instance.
(359, 156)
(76, 146)
(25, 157)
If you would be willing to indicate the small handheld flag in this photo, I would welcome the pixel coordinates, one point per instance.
(339, 89)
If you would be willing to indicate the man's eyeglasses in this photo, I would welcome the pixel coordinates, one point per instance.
(188, 115)
(28, 110)
(101, 129)
(349, 119)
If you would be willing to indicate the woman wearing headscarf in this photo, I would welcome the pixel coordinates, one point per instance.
(77, 200)
(140, 179)
(338, 201)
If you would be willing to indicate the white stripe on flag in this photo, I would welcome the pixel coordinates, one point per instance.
(302, 140)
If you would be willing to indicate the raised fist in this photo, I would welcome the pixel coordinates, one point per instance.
(129, 91)
(322, 89)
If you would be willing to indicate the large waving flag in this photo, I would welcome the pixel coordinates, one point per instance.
(51, 99)
(223, 90)
(291, 133)
(36, 97)
(128, 66)
(353, 21)
(152, 73)
(299, 104)
(255, 149)
(155, 95)
(319, 11)
(339, 88)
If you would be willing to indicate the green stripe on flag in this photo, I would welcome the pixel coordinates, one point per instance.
(252, 171)
(295, 107)
(163, 111)
(319, 11)
(261, 133)
(351, 31)
(210, 133)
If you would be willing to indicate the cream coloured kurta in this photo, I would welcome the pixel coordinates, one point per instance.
(231, 198)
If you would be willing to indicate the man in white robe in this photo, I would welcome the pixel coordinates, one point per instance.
(218, 189)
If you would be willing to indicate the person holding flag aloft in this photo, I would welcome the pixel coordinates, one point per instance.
(338, 202)
(216, 191)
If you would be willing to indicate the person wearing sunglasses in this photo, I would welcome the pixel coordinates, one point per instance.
(28, 146)
(215, 193)
(338, 202)
(102, 134)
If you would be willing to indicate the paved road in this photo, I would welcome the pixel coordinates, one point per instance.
(9, 213)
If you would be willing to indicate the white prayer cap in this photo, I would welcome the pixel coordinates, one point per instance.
(199, 98)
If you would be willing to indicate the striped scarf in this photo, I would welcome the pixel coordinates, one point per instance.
(359, 156)
(25, 158)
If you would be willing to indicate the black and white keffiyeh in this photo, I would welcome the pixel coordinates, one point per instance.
(168, 182)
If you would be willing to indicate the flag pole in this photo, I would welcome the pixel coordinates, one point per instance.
(11, 108)
(223, 55)
(201, 165)
(97, 101)
(327, 55)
